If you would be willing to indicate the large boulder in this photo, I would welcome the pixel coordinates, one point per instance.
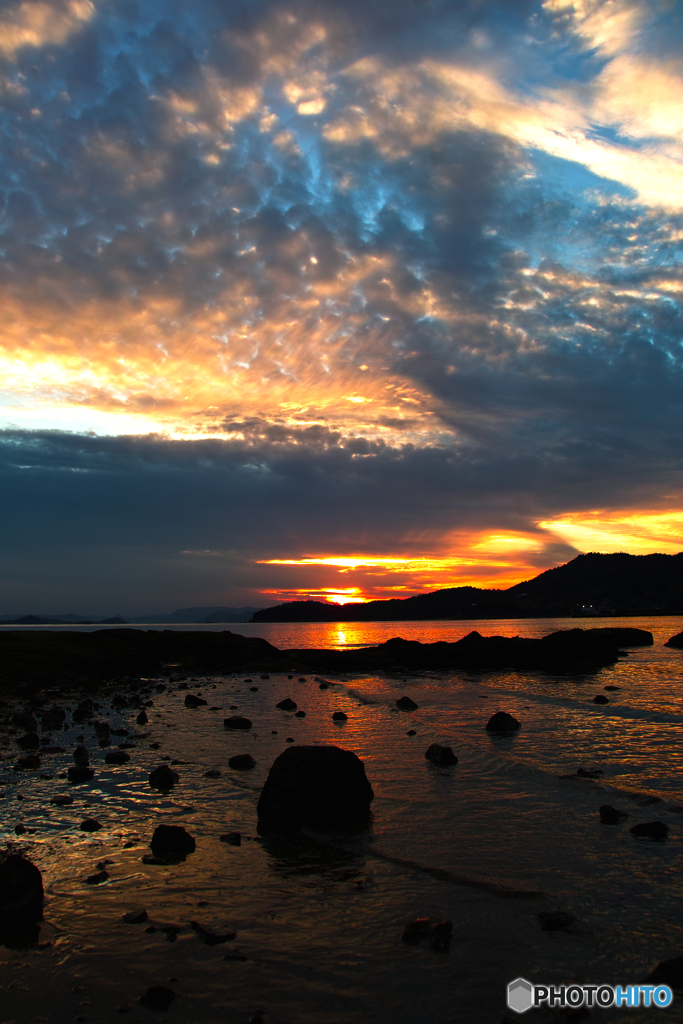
(319, 786)
(21, 895)
(172, 842)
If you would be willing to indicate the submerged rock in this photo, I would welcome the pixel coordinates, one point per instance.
(117, 757)
(237, 722)
(324, 786)
(406, 704)
(172, 841)
(287, 704)
(163, 777)
(650, 830)
(600, 699)
(209, 936)
(232, 838)
(440, 755)
(502, 722)
(78, 775)
(21, 895)
(610, 815)
(242, 762)
(158, 998)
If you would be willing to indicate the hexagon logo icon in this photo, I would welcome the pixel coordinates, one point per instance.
(520, 995)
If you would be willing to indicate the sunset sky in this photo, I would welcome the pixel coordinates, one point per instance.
(335, 298)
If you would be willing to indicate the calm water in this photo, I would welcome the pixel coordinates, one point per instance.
(319, 924)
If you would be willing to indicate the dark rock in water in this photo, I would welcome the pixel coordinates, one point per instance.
(83, 711)
(290, 739)
(612, 687)
(237, 722)
(324, 686)
(20, 830)
(339, 716)
(441, 756)
(142, 718)
(232, 838)
(81, 756)
(674, 641)
(324, 786)
(406, 704)
(79, 775)
(242, 762)
(438, 932)
(135, 917)
(668, 972)
(411, 732)
(62, 800)
(555, 920)
(53, 718)
(600, 699)
(158, 998)
(213, 773)
(253, 689)
(21, 895)
(50, 749)
(209, 936)
(192, 701)
(89, 825)
(30, 741)
(287, 704)
(299, 714)
(117, 757)
(650, 830)
(610, 815)
(587, 773)
(172, 841)
(259, 1017)
(502, 722)
(102, 728)
(28, 763)
(97, 879)
(163, 777)
(24, 720)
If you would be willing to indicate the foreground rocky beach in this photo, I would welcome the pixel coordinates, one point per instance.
(409, 912)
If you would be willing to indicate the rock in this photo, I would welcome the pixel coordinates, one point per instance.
(438, 932)
(324, 686)
(89, 825)
(83, 711)
(406, 704)
(163, 778)
(675, 641)
(555, 920)
(667, 972)
(213, 773)
(134, 917)
(98, 878)
(441, 756)
(28, 742)
(21, 895)
(62, 800)
(411, 732)
(650, 830)
(287, 704)
(192, 701)
(237, 722)
(266, 676)
(299, 714)
(589, 773)
(117, 757)
(242, 762)
(102, 728)
(611, 687)
(24, 720)
(50, 749)
(290, 739)
(158, 998)
(28, 763)
(20, 830)
(600, 699)
(142, 718)
(172, 841)
(209, 936)
(81, 756)
(78, 775)
(610, 815)
(253, 689)
(502, 722)
(339, 716)
(53, 718)
(318, 785)
(232, 838)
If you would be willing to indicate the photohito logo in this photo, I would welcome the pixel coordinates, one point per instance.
(523, 996)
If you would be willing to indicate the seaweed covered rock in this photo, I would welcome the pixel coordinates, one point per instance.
(21, 896)
(320, 786)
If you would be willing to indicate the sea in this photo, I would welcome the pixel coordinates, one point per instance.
(494, 844)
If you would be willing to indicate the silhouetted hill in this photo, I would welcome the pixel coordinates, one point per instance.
(593, 584)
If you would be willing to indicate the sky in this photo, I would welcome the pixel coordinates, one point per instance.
(341, 299)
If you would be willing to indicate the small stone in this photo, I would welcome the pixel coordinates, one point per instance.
(242, 762)
(213, 773)
(172, 841)
(158, 998)
(117, 757)
(290, 739)
(554, 920)
(142, 718)
(650, 830)
(611, 687)
(209, 936)
(135, 917)
(502, 722)
(299, 714)
(163, 778)
(78, 775)
(610, 815)
(324, 686)
(90, 825)
(232, 838)
(20, 830)
(97, 879)
(253, 689)
(237, 722)
(339, 716)
(192, 701)
(406, 704)
(600, 699)
(440, 755)
(81, 756)
(411, 732)
(287, 704)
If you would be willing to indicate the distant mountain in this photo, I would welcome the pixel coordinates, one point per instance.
(189, 616)
(589, 585)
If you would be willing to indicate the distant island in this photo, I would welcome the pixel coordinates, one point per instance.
(589, 586)
(212, 615)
